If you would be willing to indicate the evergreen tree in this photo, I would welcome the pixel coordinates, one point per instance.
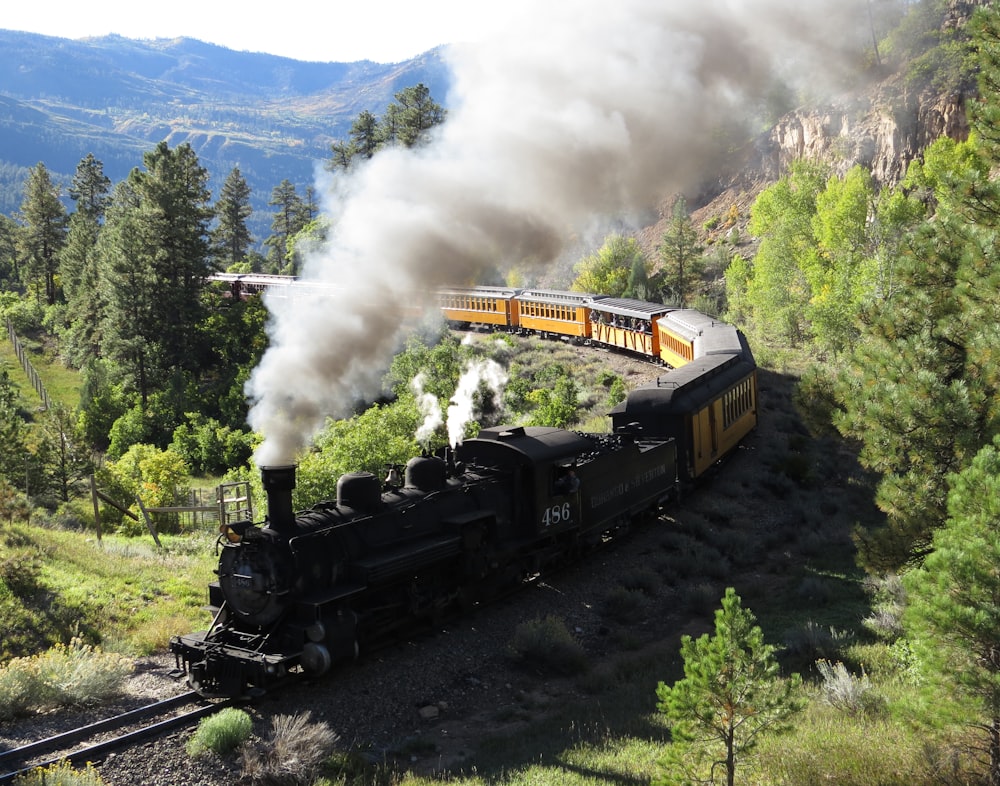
(129, 288)
(174, 214)
(922, 390)
(681, 255)
(405, 122)
(953, 616)
(153, 254)
(231, 239)
(10, 277)
(289, 219)
(365, 138)
(78, 264)
(418, 113)
(64, 460)
(43, 231)
(730, 696)
(14, 458)
(91, 188)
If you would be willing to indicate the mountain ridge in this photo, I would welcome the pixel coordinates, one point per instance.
(117, 98)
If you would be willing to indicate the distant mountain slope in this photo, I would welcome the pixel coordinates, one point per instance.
(117, 98)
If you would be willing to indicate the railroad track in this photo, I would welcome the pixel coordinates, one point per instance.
(126, 729)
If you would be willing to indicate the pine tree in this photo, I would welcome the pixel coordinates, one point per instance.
(78, 263)
(154, 258)
(10, 278)
(730, 696)
(289, 219)
(43, 231)
(231, 239)
(418, 113)
(681, 255)
(14, 458)
(953, 616)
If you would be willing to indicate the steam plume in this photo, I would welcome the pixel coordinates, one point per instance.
(462, 408)
(575, 110)
(429, 407)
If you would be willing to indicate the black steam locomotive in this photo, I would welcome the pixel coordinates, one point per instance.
(310, 589)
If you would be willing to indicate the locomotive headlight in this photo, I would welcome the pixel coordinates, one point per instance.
(234, 532)
(230, 534)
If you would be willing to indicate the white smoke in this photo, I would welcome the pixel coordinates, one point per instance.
(462, 407)
(574, 110)
(429, 407)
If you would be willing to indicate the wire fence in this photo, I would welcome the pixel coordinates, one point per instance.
(22, 356)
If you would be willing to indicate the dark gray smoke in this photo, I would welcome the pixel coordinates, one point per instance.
(572, 112)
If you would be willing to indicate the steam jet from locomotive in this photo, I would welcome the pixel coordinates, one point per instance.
(302, 591)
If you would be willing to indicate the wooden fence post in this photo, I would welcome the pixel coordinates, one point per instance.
(149, 522)
(97, 506)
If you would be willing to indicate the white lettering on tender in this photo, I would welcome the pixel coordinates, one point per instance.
(606, 495)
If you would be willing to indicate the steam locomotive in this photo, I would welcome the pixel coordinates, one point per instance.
(302, 591)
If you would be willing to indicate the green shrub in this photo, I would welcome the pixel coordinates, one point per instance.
(293, 752)
(60, 774)
(625, 605)
(220, 733)
(73, 675)
(547, 645)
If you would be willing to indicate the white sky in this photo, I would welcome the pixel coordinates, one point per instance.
(330, 31)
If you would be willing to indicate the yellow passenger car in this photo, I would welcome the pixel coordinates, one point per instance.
(494, 306)
(554, 311)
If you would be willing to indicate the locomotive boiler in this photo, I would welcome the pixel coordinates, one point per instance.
(302, 591)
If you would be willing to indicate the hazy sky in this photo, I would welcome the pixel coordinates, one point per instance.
(334, 30)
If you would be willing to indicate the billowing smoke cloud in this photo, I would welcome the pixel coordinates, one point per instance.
(462, 408)
(575, 110)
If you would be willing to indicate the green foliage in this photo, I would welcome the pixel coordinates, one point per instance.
(61, 773)
(731, 694)
(920, 390)
(369, 442)
(556, 406)
(220, 733)
(547, 645)
(231, 239)
(208, 447)
(292, 753)
(13, 505)
(153, 252)
(156, 476)
(953, 616)
(610, 270)
(13, 433)
(781, 217)
(73, 675)
(439, 364)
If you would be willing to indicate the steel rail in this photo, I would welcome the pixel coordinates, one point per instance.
(100, 749)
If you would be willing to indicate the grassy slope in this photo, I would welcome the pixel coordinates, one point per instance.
(124, 593)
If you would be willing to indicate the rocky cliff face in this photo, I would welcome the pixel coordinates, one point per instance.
(882, 131)
(882, 127)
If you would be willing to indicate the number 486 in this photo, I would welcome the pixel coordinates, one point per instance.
(556, 515)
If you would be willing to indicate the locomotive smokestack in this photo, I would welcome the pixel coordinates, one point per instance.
(278, 483)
